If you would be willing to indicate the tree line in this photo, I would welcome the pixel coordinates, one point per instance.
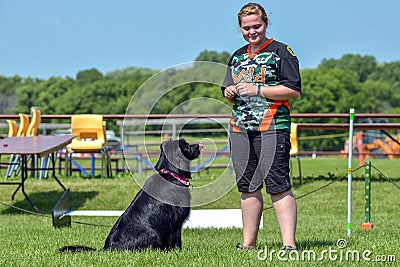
(333, 87)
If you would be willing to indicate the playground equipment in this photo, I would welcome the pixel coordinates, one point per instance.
(388, 146)
(371, 143)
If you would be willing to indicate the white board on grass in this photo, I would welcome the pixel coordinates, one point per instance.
(206, 218)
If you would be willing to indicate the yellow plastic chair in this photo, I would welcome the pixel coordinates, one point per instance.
(89, 130)
(23, 124)
(35, 121)
(12, 128)
(294, 150)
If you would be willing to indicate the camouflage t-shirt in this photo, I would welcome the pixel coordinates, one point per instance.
(274, 65)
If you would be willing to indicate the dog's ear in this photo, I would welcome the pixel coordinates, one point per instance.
(185, 148)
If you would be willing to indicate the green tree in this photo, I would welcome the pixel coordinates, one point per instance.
(326, 91)
(362, 65)
(131, 73)
(388, 72)
(50, 92)
(376, 97)
(214, 56)
(27, 94)
(88, 76)
(7, 91)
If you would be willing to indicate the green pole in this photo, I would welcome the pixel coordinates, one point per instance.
(367, 225)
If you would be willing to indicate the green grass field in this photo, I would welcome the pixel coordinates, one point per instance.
(31, 240)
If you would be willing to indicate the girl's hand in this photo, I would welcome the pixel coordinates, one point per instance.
(247, 89)
(230, 92)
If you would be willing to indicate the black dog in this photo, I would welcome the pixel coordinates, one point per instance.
(155, 217)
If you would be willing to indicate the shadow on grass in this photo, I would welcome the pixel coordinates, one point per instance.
(309, 244)
(45, 201)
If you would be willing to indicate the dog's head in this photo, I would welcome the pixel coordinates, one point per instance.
(176, 155)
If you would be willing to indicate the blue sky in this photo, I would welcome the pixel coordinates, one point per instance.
(44, 38)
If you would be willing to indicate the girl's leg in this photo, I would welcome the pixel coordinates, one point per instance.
(252, 206)
(286, 213)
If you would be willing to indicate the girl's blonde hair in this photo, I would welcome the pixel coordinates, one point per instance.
(251, 9)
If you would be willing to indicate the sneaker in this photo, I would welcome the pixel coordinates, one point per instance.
(288, 248)
(241, 247)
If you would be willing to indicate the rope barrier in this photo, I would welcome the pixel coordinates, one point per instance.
(91, 224)
(321, 136)
(320, 188)
(384, 176)
(48, 216)
(24, 210)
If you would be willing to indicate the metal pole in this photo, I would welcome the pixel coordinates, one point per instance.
(367, 225)
(93, 165)
(349, 173)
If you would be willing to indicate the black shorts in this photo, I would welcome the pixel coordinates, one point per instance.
(259, 157)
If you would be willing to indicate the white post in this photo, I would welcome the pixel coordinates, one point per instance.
(349, 172)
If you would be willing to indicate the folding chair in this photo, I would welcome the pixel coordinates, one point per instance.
(26, 128)
(32, 131)
(12, 131)
(14, 164)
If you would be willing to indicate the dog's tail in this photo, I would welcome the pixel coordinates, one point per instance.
(76, 248)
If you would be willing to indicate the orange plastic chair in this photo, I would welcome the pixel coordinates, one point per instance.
(294, 150)
(89, 130)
